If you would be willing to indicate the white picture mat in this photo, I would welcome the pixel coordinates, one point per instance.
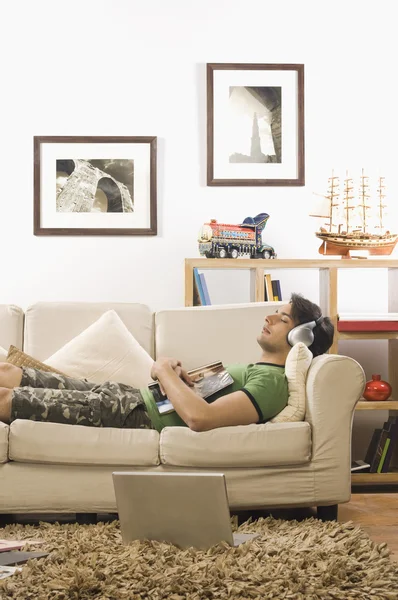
(51, 152)
(288, 80)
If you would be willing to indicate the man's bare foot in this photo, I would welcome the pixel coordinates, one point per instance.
(10, 375)
(5, 404)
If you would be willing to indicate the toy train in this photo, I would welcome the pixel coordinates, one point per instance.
(221, 240)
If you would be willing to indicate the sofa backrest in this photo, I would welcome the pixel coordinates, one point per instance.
(196, 335)
(50, 325)
(11, 326)
(201, 334)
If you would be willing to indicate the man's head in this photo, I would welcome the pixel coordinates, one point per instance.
(304, 311)
(273, 338)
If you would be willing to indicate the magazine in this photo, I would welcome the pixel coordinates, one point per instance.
(7, 545)
(208, 380)
(8, 571)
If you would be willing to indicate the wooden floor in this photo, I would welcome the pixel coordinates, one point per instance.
(376, 513)
(378, 516)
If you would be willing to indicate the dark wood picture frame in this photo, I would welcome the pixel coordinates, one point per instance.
(38, 229)
(299, 179)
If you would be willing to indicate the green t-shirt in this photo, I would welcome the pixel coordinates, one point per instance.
(264, 383)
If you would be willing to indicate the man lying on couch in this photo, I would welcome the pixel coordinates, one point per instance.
(258, 393)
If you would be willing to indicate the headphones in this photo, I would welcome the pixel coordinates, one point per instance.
(303, 333)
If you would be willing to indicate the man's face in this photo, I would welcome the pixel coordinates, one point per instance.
(276, 327)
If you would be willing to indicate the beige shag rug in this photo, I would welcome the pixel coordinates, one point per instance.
(292, 560)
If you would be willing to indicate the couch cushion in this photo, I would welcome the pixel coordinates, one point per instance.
(50, 325)
(3, 354)
(4, 431)
(105, 351)
(226, 332)
(269, 444)
(11, 325)
(52, 443)
(298, 362)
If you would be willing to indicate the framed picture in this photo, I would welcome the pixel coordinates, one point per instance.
(95, 185)
(255, 124)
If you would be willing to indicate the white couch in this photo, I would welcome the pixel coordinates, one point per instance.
(47, 468)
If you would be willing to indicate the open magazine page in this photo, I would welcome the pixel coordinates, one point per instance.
(208, 380)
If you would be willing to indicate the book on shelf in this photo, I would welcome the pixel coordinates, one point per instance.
(367, 322)
(272, 289)
(207, 379)
(367, 326)
(359, 465)
(268, 293)
(393, 436)
(206, 295)
(388, 316)
(198, 295)
(378, 454)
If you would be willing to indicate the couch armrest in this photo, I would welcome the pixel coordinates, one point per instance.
(334, 385)
(4, 434)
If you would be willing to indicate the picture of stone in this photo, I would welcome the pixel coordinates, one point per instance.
(95, 185)
(255, 130)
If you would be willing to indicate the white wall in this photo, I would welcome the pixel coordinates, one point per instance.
(137, 67)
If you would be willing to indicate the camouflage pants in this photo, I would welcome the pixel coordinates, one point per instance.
(58, 399)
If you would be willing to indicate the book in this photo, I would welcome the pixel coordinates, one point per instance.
(198, 286)
(275, 296)
(205, 289)
(207, 379)
(8, 571)
(359, 465)
(389, 316)
(372, 445)
(383, 454)
(7, 545)
(18, 558)
(278, 289)
(374, 463)
(367, 325)
(378, 447)
(268, 287)
(393, 437)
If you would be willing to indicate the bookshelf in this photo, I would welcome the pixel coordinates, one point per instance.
(328, 292)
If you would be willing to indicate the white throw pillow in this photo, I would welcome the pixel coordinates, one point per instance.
(105, 351)
(298, 362)
(3, 354)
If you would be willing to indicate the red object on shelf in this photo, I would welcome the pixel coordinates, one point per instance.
(367, 325)
(376, 389)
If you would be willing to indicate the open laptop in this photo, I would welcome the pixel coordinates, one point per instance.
(186, 509)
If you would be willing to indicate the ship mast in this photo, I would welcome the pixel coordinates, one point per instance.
(348, 196)
(364, 188)
(331, 196)
(380, 205)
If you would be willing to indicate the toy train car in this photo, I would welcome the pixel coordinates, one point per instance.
(221, 240)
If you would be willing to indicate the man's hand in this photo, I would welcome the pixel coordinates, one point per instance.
(164, 363)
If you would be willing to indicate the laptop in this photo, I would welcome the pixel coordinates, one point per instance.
(185, 509)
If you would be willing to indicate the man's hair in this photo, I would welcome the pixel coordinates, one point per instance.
(304, 311)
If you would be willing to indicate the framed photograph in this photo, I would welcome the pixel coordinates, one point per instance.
(255, 124)
(95, 185)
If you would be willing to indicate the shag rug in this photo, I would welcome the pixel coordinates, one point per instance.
(292, 560)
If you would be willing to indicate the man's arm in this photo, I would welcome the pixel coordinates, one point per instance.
(231, 409)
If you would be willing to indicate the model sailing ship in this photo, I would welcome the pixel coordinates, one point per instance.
(354, 224)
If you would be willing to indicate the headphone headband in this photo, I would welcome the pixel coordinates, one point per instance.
(319, 321)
